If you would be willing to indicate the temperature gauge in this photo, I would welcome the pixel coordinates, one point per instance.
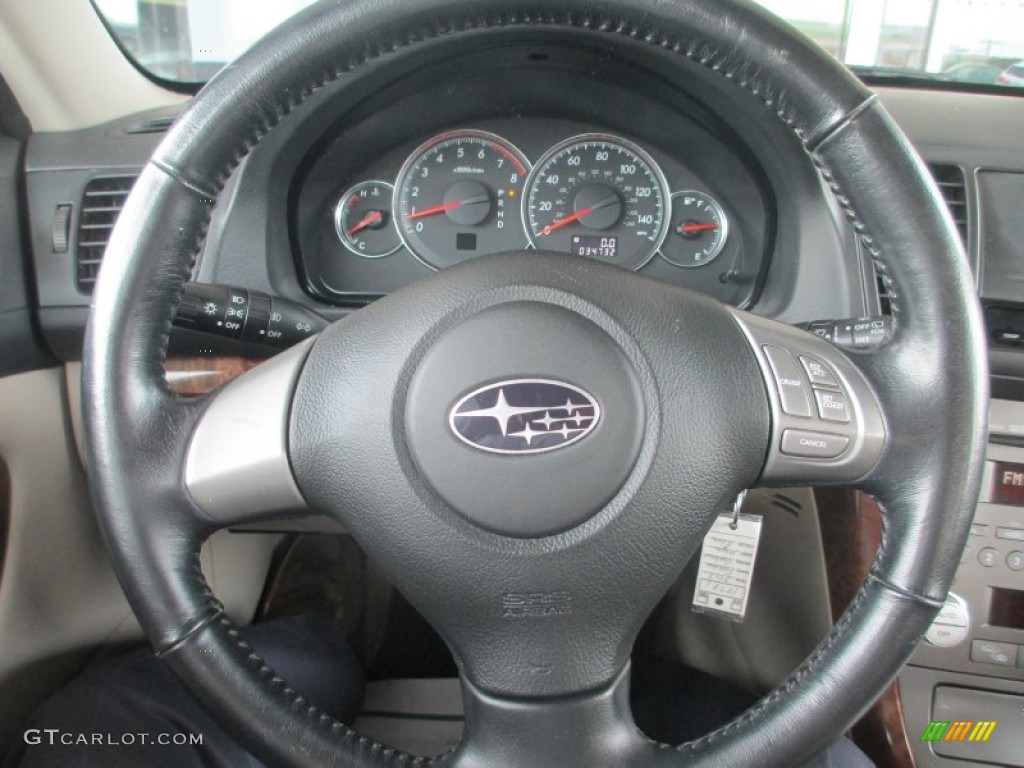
(698, 232)
(364, 222)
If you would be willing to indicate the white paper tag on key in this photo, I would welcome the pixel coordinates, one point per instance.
(727, 566)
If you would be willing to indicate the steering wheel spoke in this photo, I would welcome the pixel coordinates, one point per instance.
(828, 427)
(575, 731)
(237, 467)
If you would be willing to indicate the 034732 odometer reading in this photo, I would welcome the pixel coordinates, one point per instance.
(598, 196)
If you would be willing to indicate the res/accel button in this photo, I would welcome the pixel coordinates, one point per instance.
(819, 373)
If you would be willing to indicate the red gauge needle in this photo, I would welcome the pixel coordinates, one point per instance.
(435, 210)
(563, 222)
(687, 229)
(370, 218)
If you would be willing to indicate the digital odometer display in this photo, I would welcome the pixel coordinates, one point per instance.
(595, 247)
(596, 187)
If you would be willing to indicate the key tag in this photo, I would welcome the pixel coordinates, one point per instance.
(727, 564)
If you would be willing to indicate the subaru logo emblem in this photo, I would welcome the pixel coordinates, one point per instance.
(523, 416)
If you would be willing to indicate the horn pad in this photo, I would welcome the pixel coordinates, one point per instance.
(526, 418)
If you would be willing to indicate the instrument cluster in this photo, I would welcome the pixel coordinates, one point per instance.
(468, 193)
(474, 191)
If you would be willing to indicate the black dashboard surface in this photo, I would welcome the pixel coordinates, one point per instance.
(533, 102)
(789, 254)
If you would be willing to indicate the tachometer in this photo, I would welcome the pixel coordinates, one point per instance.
(457, 196)
(600, 197)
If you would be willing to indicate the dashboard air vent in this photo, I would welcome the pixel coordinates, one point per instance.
(102, 202)
(154, 125)
(884, 294)
(950, 179)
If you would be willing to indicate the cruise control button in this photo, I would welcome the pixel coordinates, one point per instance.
(789, 382)
(819, 373)
(813, 445)
(832, 406)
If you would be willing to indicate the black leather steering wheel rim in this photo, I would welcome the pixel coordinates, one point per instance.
(931, 376)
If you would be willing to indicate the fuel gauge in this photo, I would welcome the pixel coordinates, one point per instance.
(698, 232)
(364, 222)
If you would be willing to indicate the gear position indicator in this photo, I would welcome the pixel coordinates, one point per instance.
(727, 566)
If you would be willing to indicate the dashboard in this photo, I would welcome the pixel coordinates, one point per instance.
(533, 145)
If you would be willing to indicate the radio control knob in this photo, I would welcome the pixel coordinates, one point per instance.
(952, 624)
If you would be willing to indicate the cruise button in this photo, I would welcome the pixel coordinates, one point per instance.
(813, 445)
(789, 382)
(832, 406)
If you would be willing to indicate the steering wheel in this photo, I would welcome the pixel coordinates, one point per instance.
(539, 561)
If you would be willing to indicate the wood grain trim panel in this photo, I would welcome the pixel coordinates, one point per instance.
(194, 376)
(851, 530)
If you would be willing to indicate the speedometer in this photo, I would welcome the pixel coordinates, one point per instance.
(600, 197)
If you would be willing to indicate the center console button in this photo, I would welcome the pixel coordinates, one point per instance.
(945, 635)
(1015, 561)
(991, 652)
(953, 613)
(1010, 534)
(988, 557)
(789, 381)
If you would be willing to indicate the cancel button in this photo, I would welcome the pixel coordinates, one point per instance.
(813, 445)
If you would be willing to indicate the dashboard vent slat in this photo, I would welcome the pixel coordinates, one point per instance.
(107, 192)
(102, 201)
(952, 185)
(154, 125)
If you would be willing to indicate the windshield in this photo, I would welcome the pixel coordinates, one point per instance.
(941, 41)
